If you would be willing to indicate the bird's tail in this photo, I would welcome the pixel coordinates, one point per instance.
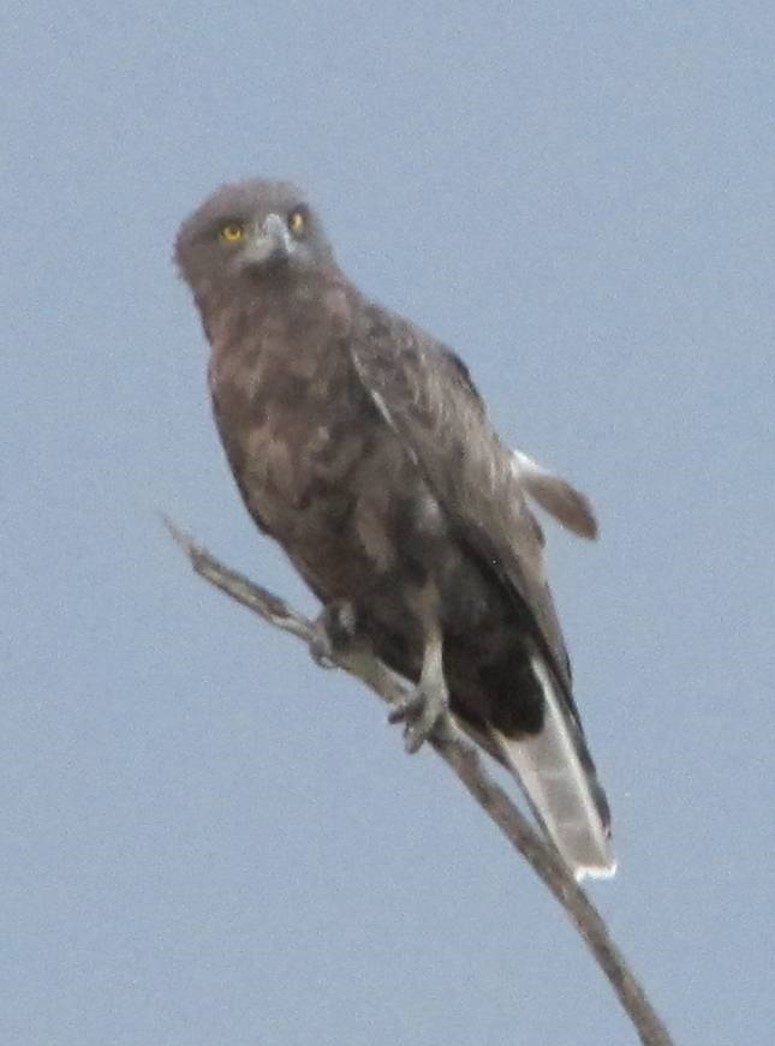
(557, 775)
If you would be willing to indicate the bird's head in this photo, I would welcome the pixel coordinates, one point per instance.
(250, 229)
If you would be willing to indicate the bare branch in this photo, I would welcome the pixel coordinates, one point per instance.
(465, 761)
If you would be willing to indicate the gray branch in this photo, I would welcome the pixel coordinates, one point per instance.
(464, 760)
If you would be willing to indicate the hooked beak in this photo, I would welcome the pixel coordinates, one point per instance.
(272, 243)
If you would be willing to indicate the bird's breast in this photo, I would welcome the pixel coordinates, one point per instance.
(300, 433)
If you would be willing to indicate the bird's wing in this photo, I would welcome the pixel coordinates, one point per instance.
(426, 395)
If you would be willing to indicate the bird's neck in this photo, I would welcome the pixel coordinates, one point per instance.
(276, 313)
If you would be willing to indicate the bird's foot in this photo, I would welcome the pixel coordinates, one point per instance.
(335, 628)
(424, 712)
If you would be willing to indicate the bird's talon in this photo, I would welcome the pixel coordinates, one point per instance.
(407, 710)
(413, 740)
(321, 650)
(423, 713)
(334, 630)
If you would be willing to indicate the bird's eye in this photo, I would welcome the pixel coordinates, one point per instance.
(297, 221)
(232, 232)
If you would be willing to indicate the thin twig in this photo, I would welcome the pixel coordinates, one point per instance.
(465, 761)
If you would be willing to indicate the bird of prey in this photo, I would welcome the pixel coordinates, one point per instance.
(361, 444)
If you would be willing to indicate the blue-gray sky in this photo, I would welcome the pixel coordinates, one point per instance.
(204, 838)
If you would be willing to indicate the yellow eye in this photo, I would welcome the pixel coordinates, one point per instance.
(297, 221)
(233, 232)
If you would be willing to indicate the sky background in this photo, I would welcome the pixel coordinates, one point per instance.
(204, 838)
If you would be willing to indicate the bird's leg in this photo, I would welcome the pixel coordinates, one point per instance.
(426, 707)
(335, 628)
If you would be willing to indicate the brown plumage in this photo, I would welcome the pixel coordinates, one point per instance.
(360, 443)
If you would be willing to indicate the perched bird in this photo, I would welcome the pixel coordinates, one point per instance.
(361, 444)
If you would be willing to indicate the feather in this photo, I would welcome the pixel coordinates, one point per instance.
(551, 767)
(555, 496)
